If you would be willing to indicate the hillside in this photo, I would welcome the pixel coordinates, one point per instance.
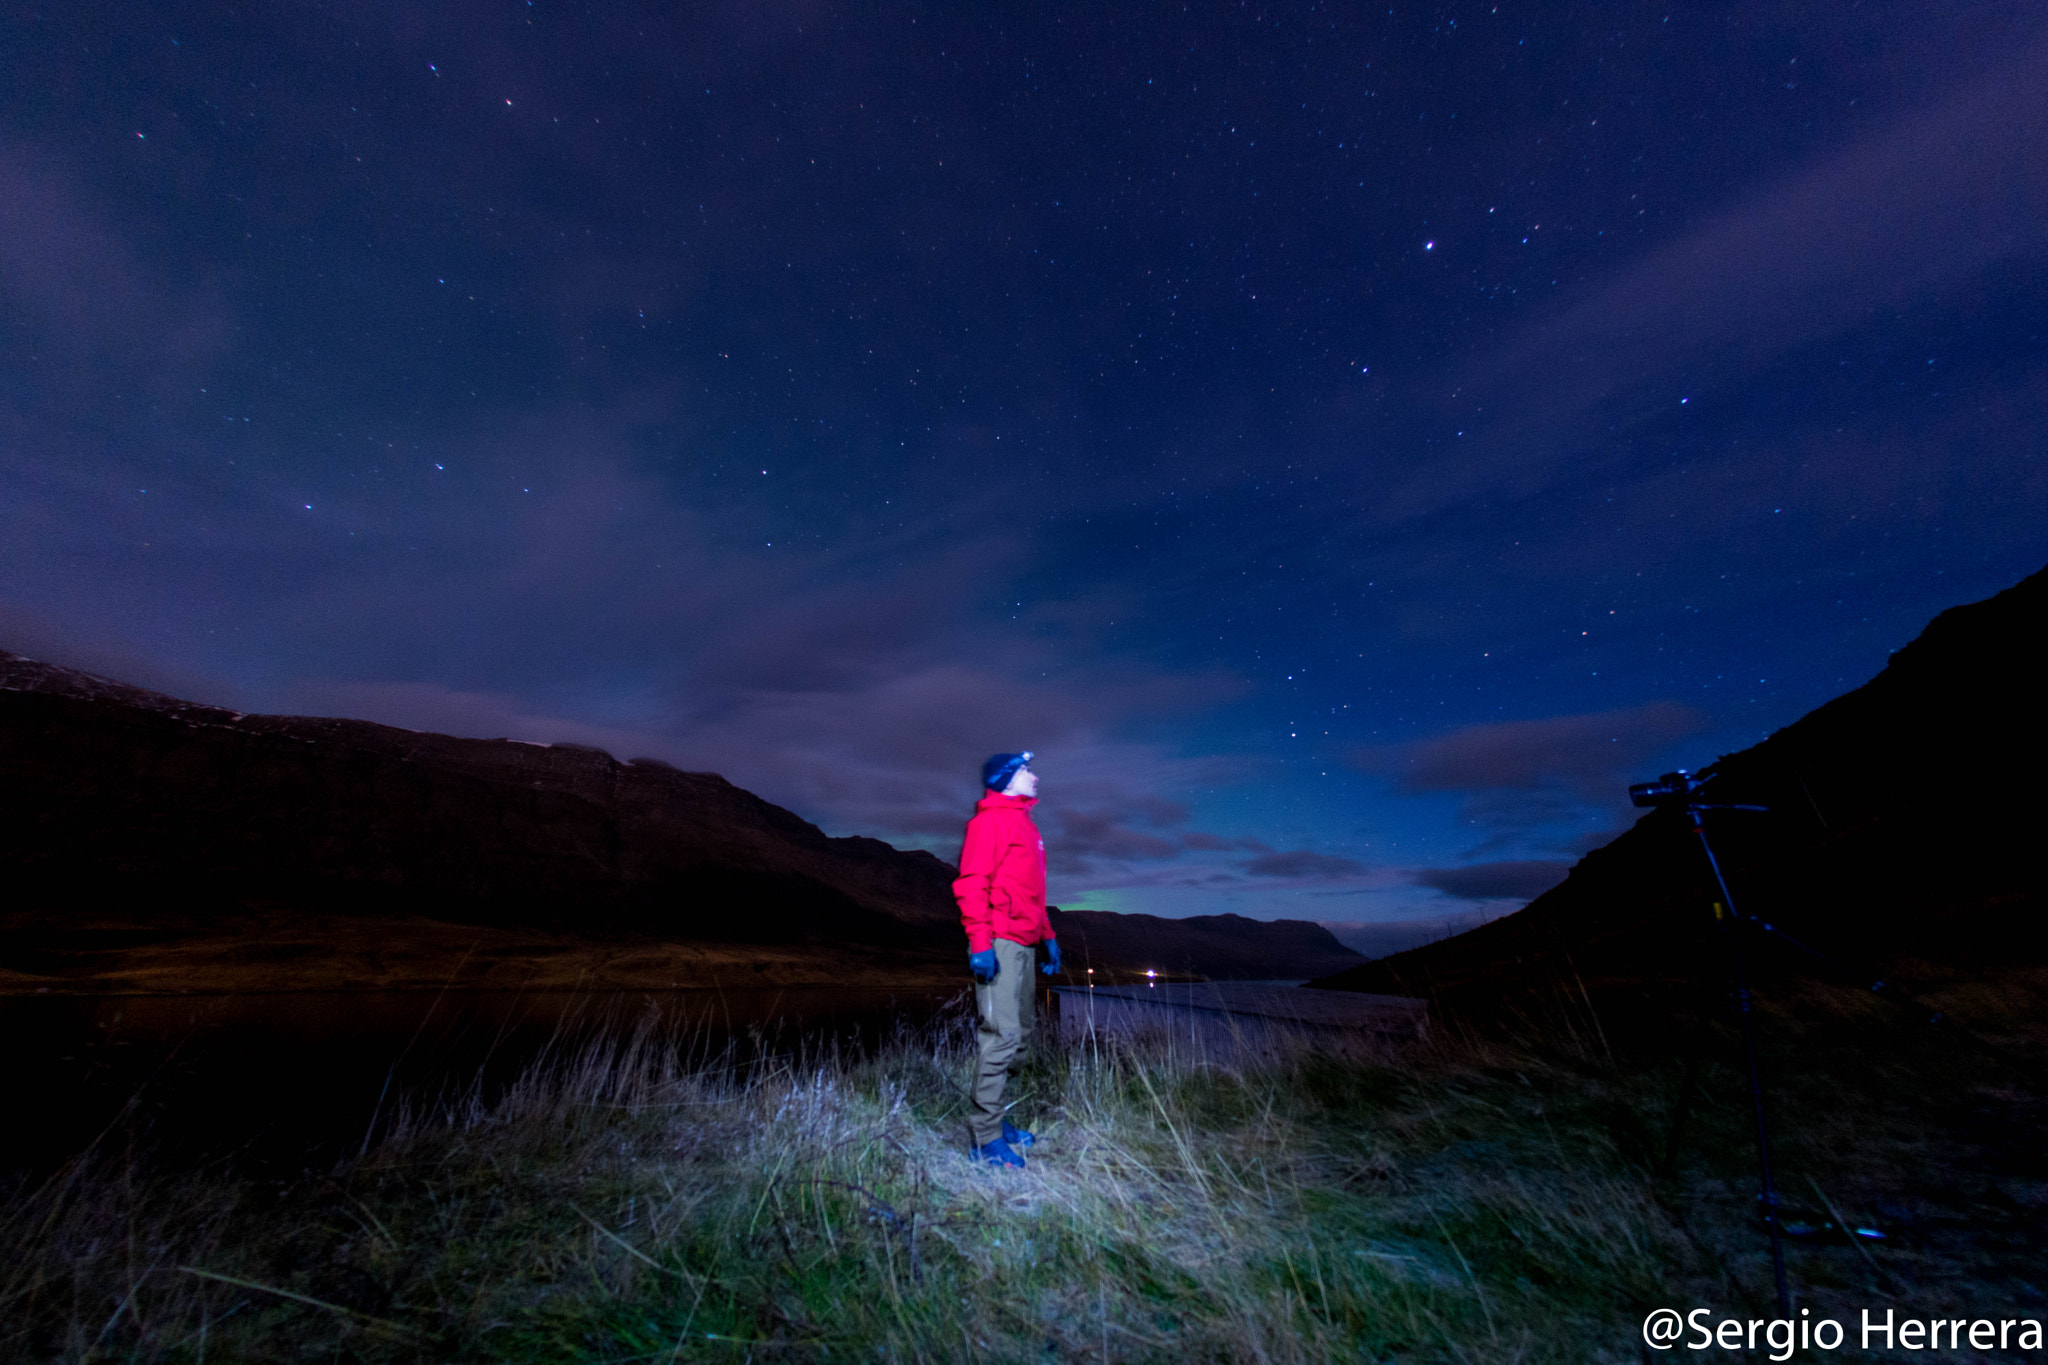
(1902, 840)
(114, 791)
(157, 845)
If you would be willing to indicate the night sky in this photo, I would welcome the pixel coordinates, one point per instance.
(1347, 444)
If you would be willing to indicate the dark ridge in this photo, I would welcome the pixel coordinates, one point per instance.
(131, 820)
(1903, 841)
(118, 796)
(1221, 947)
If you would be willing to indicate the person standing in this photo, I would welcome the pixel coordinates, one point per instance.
(1001, 893)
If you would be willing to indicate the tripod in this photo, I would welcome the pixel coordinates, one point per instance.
(1682, 789)
(1768, 1197)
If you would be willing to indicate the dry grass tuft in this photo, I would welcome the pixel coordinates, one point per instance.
(649, 1199)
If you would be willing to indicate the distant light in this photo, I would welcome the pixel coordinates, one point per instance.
(1150, 972)
(1429, 246)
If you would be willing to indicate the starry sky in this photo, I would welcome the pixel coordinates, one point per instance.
(1346, 443)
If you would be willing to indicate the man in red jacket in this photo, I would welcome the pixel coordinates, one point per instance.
(1001, 892)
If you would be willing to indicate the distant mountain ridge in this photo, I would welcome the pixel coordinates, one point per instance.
(196, 834)
(1222, 947)
(1904, 837)
(116, 790)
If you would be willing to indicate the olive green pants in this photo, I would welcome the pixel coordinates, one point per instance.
(1007, 1010)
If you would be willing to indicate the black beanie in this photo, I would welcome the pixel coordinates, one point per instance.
(1000, 768)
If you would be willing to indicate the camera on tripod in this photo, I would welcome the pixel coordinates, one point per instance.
(1672, 789)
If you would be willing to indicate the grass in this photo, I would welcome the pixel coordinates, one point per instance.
(641, 1200)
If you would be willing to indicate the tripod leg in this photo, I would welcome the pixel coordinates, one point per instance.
(1769, 1195)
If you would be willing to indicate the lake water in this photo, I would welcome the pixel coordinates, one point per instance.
(1228, 1019)
(293, 1079)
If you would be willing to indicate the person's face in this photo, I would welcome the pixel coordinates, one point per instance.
(1024, 783)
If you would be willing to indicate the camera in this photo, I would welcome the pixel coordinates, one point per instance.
(1672, 789)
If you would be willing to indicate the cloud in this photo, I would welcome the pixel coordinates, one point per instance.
(545, 574)
(1303, 863)
(1921, 209)
(1584, 753)
(1204, 842)
(890, 698)
(1492, 889)
(66, 268)
(537, 578)
(1558, 782)
(1511, 880)
(480, 715)
(1110, 832)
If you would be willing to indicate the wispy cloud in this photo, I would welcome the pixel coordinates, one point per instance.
(1303, 863)
(1582, 752)
(1916, 210)
(67, 270)
(537, 581)
(1508, 880)
(1552, 778)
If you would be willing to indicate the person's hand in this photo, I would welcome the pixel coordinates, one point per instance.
(1052, 949)
(983, 965)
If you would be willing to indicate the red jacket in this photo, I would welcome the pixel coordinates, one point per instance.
(1001, 886)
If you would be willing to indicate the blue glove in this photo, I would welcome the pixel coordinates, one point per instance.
(1052, 948)
(983, 965)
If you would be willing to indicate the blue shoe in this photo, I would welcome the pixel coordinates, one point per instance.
(998, 1153)
(1016, 1136)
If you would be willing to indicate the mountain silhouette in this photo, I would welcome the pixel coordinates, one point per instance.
(180, 846)
(1903, 840)
(116, 793)
(1221, 947)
